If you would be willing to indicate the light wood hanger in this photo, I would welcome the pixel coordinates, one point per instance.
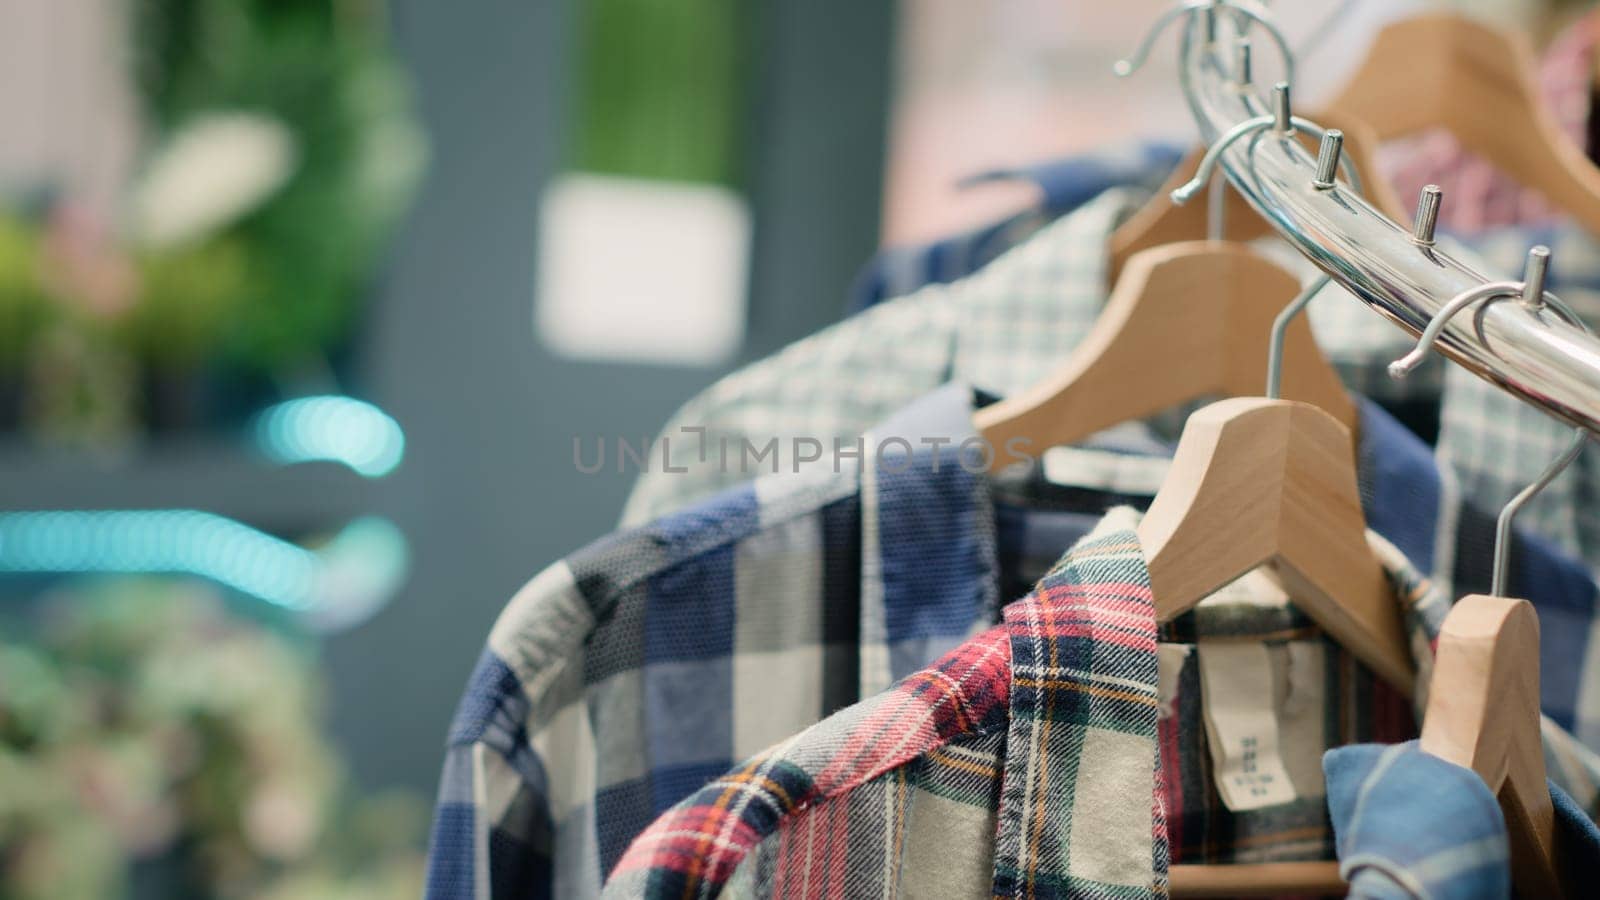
(1483, 713)
(1160, 221)
(1257, 481)
(1443, 70)
(1184, 321)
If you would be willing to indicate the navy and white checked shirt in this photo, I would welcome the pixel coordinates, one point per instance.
(624, 677)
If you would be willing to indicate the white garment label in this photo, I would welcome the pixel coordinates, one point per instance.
(1241, 725)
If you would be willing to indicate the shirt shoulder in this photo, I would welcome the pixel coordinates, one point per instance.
(836, 383)
(539, 637)
(939, 732)
(843, 380)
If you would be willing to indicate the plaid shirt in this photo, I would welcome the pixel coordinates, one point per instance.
(1497, 444)
(1063, 186)
(1002, 330)
(621, 679)
(1030, 761)
(1410, 824)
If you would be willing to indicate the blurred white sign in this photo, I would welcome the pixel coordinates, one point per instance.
(635, 270)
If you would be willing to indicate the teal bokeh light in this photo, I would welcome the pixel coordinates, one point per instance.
(350, 577)
(332, 428)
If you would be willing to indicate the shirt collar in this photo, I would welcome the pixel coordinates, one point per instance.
(1081, 744)
(929, 540)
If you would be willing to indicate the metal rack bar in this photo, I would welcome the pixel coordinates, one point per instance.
(1527, 350)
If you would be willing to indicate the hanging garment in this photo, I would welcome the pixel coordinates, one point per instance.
(1410, 824)
(1477, 195)
(1498, 444)
(619, 680)
(1030, 761)
(1003, 330)
(1063, 185)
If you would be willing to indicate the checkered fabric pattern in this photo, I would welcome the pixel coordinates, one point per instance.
(1070, 682)
(621, 679)
(1002, 330)
(1407, 820)
(913, 791)
(1063, 186)
(1477, 195)
(1497, 444)
(1413, 825)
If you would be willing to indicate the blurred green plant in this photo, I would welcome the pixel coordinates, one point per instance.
(146, 723)
(190, 301)
(323, 70)
(281, 151)
(661, 89)
(25, 309)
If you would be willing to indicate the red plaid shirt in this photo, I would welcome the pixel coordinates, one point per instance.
(1042, 758)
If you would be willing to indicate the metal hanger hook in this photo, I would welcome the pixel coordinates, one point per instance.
(1530, 291)
(1280, 328)
(1187, 10)
(1332, 141)
(1507, 517)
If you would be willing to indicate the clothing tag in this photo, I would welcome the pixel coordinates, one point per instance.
(1241, 726)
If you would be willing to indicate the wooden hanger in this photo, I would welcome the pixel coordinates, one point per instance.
(1257, 481)
(1160, 221)
(1185, 321)
(1443, 70)
(1483, 713)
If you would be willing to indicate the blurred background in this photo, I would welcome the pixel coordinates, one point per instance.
(303, 303)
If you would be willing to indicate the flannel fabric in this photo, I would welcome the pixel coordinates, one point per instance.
(1410, 824)
(1478, 195)
(1023, 762)
(915, 792)
(1497, 444)
(1063, 186)
(619, 680)
(1002, 329)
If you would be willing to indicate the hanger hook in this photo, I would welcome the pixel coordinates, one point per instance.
(1283, 122)
(1206, 9)
(1530, 290)
(1531, 293)
(1280, 328)
(1502, 524)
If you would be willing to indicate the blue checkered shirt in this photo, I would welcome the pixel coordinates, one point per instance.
(1412, 825)
(622, 678)
(1063, 185)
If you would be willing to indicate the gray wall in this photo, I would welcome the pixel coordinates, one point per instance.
(488, 494)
